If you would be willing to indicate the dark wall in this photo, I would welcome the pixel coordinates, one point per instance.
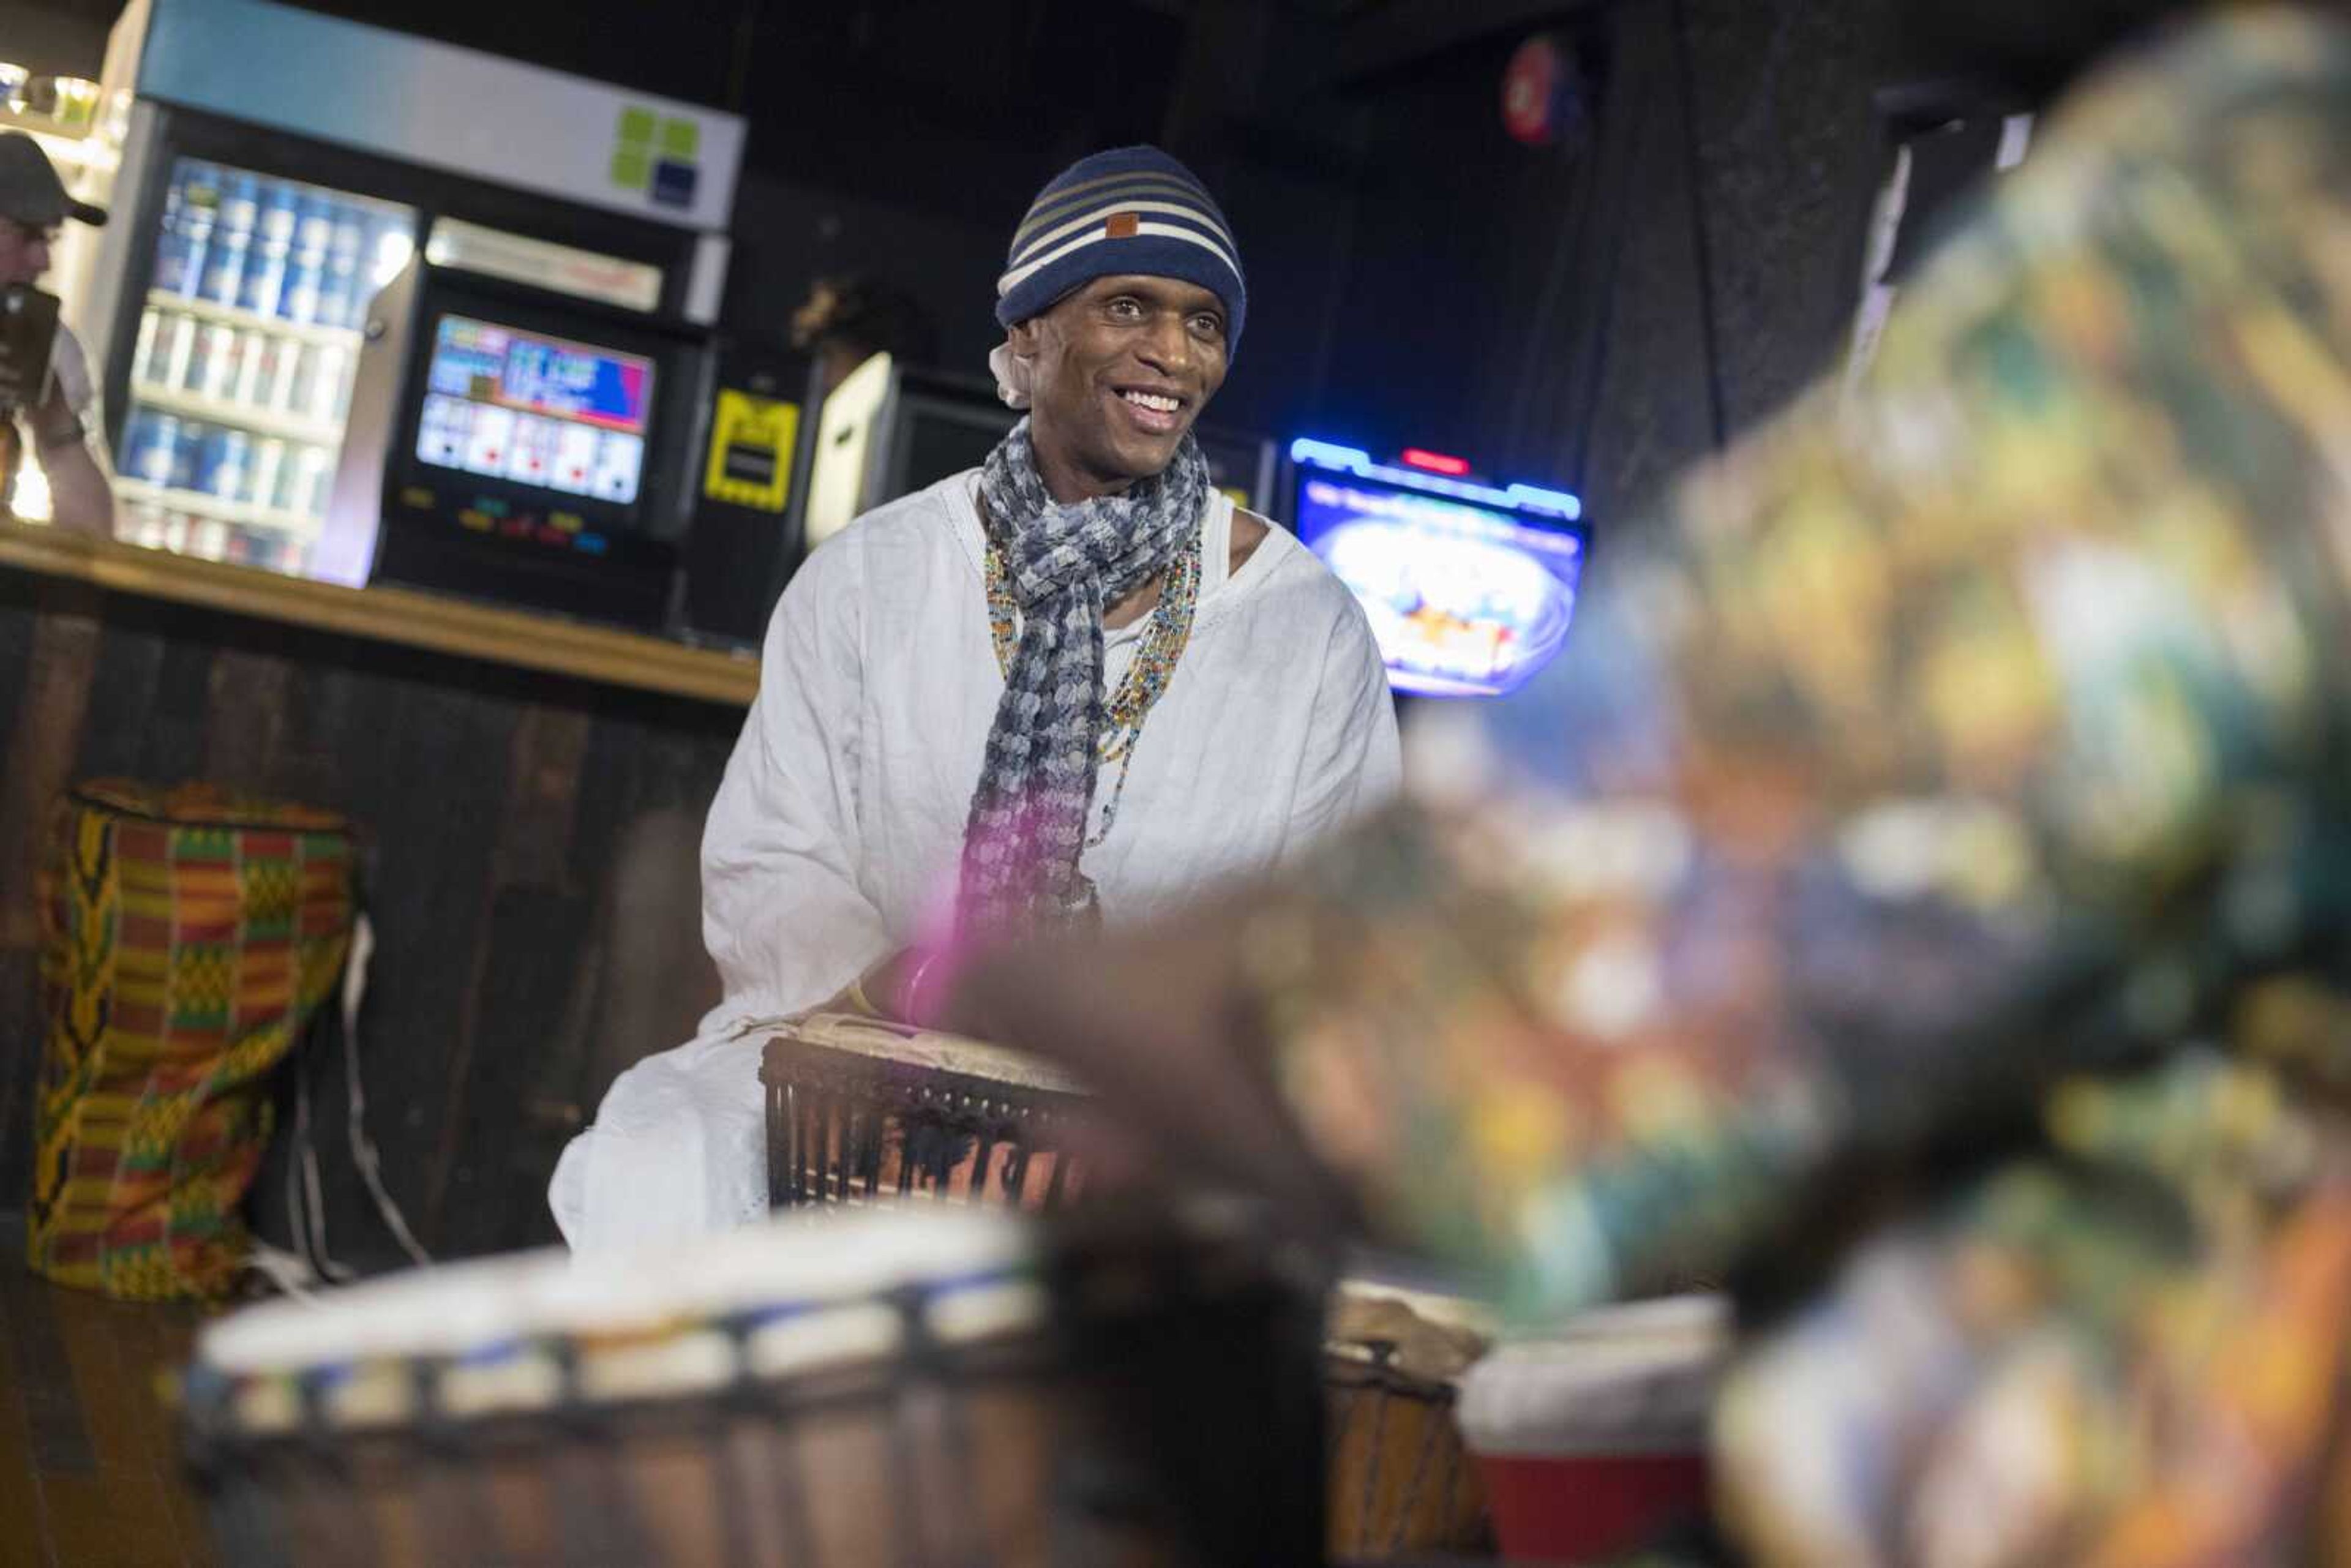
(1595, 313)
(1736, 301)
(681, 51)
(57, 37)
(1415, 274)
(789, 233)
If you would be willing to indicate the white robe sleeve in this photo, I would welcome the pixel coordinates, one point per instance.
(1352, 764)
(676, 1149)
(782, 912)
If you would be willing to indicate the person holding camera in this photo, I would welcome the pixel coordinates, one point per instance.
(58, 429)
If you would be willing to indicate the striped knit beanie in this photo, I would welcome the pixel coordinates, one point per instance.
(1131, 211)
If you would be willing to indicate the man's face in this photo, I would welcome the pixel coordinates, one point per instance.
(24, 251)
(1123, 368)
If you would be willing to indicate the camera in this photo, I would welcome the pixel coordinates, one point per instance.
(28, 330)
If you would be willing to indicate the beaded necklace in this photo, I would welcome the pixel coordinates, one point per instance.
(1163, 641)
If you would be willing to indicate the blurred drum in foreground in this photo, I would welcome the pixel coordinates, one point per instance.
(1400, 1480)
(826, 1391)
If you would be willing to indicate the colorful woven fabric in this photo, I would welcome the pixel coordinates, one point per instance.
(1957, 773)
(190, 937)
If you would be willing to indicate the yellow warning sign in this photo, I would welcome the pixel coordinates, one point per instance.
(751, 441)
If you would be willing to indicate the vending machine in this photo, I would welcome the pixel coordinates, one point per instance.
(280, 168)
(239, 368)
(79, 126)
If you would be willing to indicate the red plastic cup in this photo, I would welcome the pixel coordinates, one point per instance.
(1593, 1439)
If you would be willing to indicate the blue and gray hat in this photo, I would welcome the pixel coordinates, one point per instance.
(1132, 210)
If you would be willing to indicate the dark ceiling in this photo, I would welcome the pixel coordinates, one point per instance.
(858, 94)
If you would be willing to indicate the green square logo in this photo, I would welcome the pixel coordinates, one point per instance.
(655, 154)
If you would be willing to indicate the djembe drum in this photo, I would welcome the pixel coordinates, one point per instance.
(1400, 1480)
(951, 1387)
(1593, 1437)
(863, 1110)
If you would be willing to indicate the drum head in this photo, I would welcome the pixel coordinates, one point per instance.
(880, 1039)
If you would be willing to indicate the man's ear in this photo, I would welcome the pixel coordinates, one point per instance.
(1026, 337)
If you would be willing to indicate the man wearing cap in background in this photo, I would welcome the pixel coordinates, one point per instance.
(847, 319)
(1075, 684)
(61, 426)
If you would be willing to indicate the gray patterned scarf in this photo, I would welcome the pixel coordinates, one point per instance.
(1065, 565)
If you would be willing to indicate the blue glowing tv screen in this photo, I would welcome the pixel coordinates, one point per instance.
(1465, 600)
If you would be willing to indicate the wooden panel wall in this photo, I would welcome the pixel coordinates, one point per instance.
(528, 866)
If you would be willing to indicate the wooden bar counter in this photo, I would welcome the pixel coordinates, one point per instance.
(528, 791)
(501, 636)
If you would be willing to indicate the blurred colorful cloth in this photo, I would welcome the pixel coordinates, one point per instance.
(1956, 791)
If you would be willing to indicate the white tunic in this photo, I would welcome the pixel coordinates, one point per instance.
(836, 834)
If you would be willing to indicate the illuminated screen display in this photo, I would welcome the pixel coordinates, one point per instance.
(535, 410)
(1465, 600)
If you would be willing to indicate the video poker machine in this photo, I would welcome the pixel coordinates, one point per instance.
(1470, 585)
(514, 444)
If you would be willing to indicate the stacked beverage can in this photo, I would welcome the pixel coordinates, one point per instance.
(221, 463)
(166, 363)
(265, 269)
(330, 383)
(313, 473)
(314, 231)
(337, 295)
(211, 367)
(228, 370)
(138, 523)
(191, 209)
(257, 368)
(142, 352)
(271, 464)
(240, 212)
(150, 447)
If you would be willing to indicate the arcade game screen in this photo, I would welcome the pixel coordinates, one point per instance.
(535, 410)
(1465, 600)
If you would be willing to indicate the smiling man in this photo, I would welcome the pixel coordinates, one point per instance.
(1076, 684)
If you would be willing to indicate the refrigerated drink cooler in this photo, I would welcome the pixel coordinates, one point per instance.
(240, 371)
